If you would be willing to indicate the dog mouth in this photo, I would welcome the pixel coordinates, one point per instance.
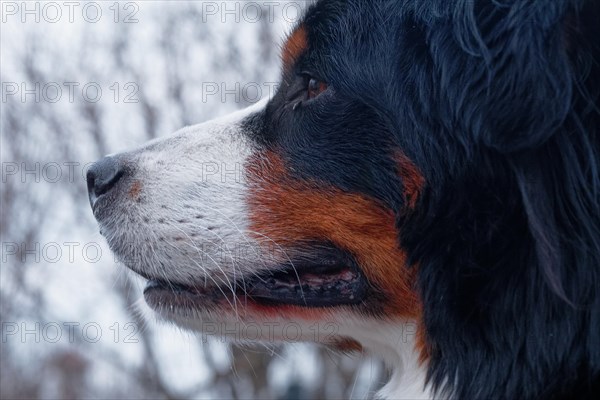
(305, 284)
(313, 286)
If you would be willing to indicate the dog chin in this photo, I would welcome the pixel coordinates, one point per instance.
(247, 324)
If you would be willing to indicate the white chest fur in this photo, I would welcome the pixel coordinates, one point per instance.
(395, 343)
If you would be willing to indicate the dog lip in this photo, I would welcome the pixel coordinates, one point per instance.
(310, 286)
(155, 284)
(326, 278)
(320, 286)
(163, 296)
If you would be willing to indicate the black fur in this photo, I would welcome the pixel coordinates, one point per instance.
(497, 103)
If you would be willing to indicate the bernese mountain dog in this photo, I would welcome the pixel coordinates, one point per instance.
(424, 185)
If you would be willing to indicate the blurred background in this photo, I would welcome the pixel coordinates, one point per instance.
(84, 79)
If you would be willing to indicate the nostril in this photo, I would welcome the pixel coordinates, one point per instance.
(102, 176)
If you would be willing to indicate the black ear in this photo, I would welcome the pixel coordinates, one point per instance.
(558, 181)
(527, 50)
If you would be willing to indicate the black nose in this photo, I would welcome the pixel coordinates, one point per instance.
(102, 177)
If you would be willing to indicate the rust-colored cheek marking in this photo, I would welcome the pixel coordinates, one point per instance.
(295, 45)
(346, 345)
(413, 183)
(412, 179)
(291, 212)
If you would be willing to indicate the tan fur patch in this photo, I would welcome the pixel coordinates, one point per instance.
(292, 212)
(295, 45)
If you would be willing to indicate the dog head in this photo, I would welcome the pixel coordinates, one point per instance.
(285, 211)
(405, 174)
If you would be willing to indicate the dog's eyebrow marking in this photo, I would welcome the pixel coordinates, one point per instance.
(294, 46)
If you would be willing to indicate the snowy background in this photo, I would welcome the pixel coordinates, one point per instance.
(84, 79)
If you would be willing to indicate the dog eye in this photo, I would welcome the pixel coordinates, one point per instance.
(305, 88)
(315, 87)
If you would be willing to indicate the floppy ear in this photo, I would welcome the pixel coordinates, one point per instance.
(526, 90)
(558, 183)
